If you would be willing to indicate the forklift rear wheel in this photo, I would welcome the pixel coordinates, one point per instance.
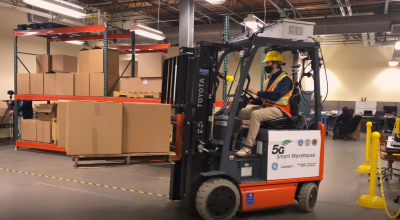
(217, 198)
(308, 197)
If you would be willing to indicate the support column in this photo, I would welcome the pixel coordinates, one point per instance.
(226, 37)
(133, 54)
(15, 119)
(105, 59)
(262, 68)
(186, 23)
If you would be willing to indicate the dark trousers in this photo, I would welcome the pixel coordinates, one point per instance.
(337, 126)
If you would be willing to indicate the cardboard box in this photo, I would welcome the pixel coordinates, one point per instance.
(65, 84)
(43, 63)
(91, 61)
(151, 65)
(173, 51)
(140, 85)
(49, 80)
(143, 122)
(97, 83)
(4, 116)
(128, 72)
(36, 84)
(43, 131)
(46, 112)
(64, 63)
(82, 84)
(28, 129)
(94, 128)
(23, 83)
(62, 123)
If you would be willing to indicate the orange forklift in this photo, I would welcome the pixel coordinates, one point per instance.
(207, 177)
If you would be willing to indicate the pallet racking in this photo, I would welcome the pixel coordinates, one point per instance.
(62, 34)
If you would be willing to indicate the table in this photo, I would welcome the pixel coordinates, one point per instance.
(389, 148)
(384, 118)
(364, 121)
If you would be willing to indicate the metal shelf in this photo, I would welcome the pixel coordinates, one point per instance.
(38, 145)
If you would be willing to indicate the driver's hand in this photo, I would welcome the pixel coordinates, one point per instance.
(252, 91)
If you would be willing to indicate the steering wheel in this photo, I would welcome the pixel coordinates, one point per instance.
(251, 97)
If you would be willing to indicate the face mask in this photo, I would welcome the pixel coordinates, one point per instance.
(268, 69)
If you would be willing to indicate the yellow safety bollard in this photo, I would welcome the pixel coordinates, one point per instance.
(398, 127)
(366, 168)
(371, 200)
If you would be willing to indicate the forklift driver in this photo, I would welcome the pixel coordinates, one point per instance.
(272, 103)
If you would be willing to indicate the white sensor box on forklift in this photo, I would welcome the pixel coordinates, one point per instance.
(290, 29)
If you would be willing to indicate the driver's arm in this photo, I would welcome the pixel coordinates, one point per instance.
(283, 87)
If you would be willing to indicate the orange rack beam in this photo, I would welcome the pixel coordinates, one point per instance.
(91, 37)
(218, 103)
(38, 145)
(65, 30)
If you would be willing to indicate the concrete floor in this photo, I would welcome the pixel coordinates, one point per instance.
(33, 197)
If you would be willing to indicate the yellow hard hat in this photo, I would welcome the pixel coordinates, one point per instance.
(273, 56)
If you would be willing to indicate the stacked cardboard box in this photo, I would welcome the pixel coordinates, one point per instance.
(39, 129)
(90, 128)
(90, 79)
(149, 75)
(54, 76)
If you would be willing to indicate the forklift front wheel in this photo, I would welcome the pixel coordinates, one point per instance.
(308, 197)
(217, 198)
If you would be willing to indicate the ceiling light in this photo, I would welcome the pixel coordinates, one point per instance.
(216, 2)
(147, 32)
(253, 22)
(397, 45)
(77, 42)
(393, 62)
(59, 6)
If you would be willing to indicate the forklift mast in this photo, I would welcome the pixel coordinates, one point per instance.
(190, 83)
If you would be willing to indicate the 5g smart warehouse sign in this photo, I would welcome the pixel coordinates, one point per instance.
(293, 154)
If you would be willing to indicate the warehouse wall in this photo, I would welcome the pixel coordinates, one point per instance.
(356, 71)
(9, 19)
(353, 71)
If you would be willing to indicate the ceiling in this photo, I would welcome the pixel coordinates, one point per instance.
(148, 11)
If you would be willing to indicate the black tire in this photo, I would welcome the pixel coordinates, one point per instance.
(217, 198)
(308, 197)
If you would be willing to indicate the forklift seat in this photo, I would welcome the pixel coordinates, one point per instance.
(286, 122)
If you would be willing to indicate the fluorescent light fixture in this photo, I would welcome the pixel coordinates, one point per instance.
(59, 6)
(147, 32)
(397, 45)
(253, 22)
(69, 3)
(393, 62)
(216, 2)
(77, 42)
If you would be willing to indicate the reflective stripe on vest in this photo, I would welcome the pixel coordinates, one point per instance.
(282, 103)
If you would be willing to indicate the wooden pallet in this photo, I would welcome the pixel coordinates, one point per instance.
(123, 160)
(155, 95)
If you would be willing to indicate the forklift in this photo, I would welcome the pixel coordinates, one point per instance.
(288, 157)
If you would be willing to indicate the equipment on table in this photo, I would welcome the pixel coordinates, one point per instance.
(334, 112)
(390, 109)
(368, 113)
(207, 177)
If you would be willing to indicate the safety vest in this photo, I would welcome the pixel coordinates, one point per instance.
(282, 103)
